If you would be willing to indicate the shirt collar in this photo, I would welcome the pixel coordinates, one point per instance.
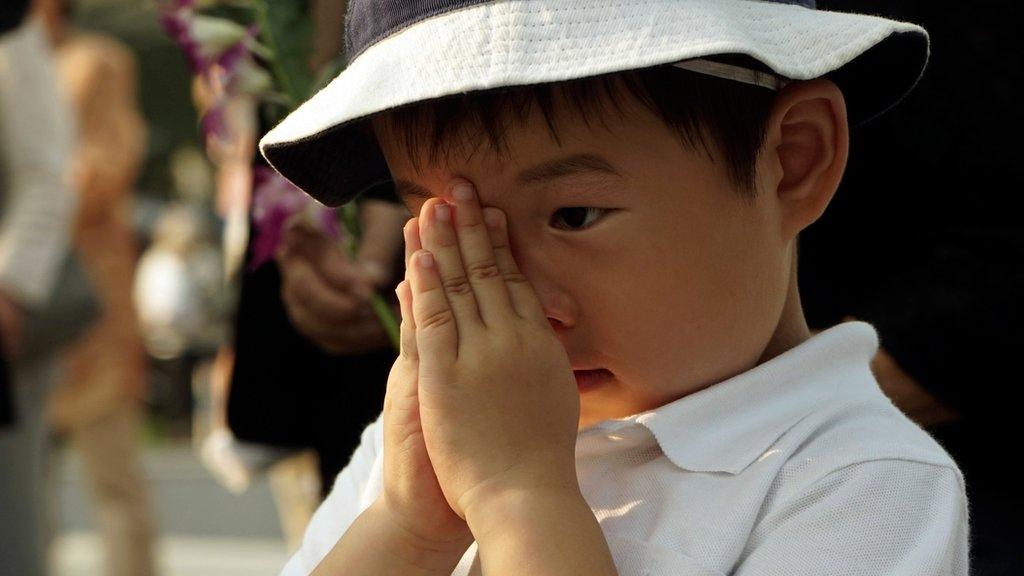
(727, 426)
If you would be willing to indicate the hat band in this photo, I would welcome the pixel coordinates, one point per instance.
(731, 72)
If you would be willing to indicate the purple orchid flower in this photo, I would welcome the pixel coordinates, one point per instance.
(207, 40)
(231, 58)
(276, 201)
(175, 23)
(214, 124)
(219, 49)
(240, 72)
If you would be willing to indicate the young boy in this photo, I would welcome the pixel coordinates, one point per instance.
(605, 367)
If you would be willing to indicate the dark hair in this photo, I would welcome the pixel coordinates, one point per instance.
(718, 115)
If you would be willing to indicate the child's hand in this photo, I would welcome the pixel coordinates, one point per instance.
(411, 494)
(498, 400)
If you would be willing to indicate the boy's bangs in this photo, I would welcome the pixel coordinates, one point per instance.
(723, 118)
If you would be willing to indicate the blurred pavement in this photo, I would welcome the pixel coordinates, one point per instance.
(204, 530)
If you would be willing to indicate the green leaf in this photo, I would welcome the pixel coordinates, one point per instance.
(286, 29)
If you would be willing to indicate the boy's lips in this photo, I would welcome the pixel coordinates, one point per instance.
(588, 379)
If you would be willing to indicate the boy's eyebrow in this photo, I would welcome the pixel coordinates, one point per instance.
(404, 188)
(550, 170)
(567, 166)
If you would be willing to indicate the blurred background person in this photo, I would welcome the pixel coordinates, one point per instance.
(942, 274)
(237, 464)
(36, 137)
(311, 358)
(181, 285)
(11, 15)
(98, 403)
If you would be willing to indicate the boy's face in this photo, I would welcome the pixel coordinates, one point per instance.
(648, 261)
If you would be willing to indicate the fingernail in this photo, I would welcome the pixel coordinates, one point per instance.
(426, 260)
(443, 213)
(463, 192)
(410, 229)
(492, 218)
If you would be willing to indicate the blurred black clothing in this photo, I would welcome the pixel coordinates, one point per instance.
(6, 394)
(924, 240)
(12, 13)
(286, 391)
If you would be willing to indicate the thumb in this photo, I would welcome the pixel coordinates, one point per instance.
(373, 268)
(330, 261)
(375, 261)
(381, 243)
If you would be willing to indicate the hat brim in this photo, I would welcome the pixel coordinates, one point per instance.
(874, 60)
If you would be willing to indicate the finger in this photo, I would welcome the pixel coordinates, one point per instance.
(325, 333)
(522, 295)
(381, 225)
(322, 327)
(305, 317)
(407, 335)
(407, 340)
(411, 231)
(401, 407)
(373, 268)
(437, 335)
(401, 400)
(362, 337)
(478, 256)
(298, 234)
(329, 258)
(357, 338)
(307, 290)
(438, 236)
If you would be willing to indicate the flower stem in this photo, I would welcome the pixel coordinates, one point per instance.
(386, 316)
(285, 81)
(349, 212)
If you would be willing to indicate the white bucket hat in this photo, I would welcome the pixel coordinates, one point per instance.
(406, 51)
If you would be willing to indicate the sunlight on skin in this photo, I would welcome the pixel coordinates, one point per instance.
(641, 291)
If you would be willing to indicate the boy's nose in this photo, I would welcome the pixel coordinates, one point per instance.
(559, 307)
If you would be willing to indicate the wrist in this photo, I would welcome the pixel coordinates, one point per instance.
(518, 508)
(414, 549)
(545, 476)
(541, 532)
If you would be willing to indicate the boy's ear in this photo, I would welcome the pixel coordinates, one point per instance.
(807, 144)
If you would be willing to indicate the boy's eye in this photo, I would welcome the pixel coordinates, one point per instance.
(576, 218)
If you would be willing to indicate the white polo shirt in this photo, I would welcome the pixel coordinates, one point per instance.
(800, 466)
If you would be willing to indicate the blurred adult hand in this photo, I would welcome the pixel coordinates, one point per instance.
(908, 394)
(326, 295)
(10, 326)
(382, 223)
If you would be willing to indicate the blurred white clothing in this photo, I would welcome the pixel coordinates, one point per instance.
(36, 143)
